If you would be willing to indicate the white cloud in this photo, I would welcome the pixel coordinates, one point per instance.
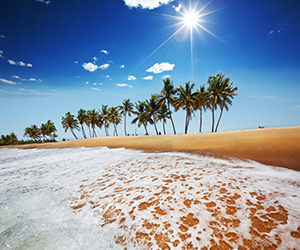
(122, 66)
(20, 63)
(44, 1)
(96, 89)
(271, 32)
(25, 92)
(104, 51)
(2, 36)
(32, 80)
(166, 76)
(161, 67)
(76, 62)
(131, 78)
(94, 83)
(77, 76)
(87, 82)
(1, 54)
(95, 58)
(90, 66)
(146, 4)
(104, 66)
(16, 77)
(107, 76)
(148, 78)
(123, 85)
(178, 8)
(7, 81)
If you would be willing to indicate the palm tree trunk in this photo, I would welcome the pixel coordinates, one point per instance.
(164, 127)
(116, 132)
(146, 129)
(125, 124)
(171, 119)
(186, 123)
(94, 132)
(154, 122)
(213, 119)
(222, 108)
(74, 134)
(200, 129)
(83, 132)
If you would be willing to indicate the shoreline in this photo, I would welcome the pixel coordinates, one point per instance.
(271, 146)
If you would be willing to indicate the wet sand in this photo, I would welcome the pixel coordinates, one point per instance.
(271, 146)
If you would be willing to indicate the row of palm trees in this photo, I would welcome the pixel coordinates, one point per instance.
(219, 94)
(46, 131)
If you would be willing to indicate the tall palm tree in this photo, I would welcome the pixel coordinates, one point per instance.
(152, 106)
(51, 129)
(94, 118)
(82, 117)
(69, 122)
(88, 121)
(187, 101)
(215, 90)
(142, 116)
(114, 117)
(166, 96)
(126, 108)
(44, 130)
(162, 115)
(226, 96)
(105, 118)
(202, 102)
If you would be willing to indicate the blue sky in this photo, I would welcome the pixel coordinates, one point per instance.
(58, 56)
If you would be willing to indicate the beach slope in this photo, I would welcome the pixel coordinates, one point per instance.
(271, 146)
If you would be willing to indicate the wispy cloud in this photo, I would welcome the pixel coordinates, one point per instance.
(264, 97)
(104, 51)
(297, 107)
(161, 67)
(122, 66)
(1, 54)
(104, 66)
(44, 1)
(2, 36)
(95, 58)
(278, 29)
(27, 80)
(178, 8)
(148, 78)
(8, 82)
(96, 89)
(25, 92)
(20, 63)
(166, 76)
(131, 78)
(123, 85)
(146, 4)
(87, 82)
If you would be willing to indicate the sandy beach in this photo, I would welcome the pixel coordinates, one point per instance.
(270, 146)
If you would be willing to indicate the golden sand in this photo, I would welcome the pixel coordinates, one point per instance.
(271, 146)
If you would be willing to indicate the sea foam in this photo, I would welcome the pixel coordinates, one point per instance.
(100, 198)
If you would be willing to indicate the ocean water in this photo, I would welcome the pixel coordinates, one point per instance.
(100, 198)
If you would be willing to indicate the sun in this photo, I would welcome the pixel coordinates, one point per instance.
(190, 19)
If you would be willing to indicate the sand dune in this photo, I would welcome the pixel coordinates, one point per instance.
(271, 146)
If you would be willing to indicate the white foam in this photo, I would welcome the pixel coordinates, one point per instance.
(41, 186)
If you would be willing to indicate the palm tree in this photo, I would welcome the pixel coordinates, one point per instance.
(88, 121)
(215, 90)
(227, 95)
(82, 118)
(166, 96)
(152, 107)
(51, 129)
(162, 115)
(142, 116)
(114, 117)
(202, 102)
(187, 101)
(94, 119)
(44, 130)
(69, 122)
(105, 118)
(33, 132)
(126, 108)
